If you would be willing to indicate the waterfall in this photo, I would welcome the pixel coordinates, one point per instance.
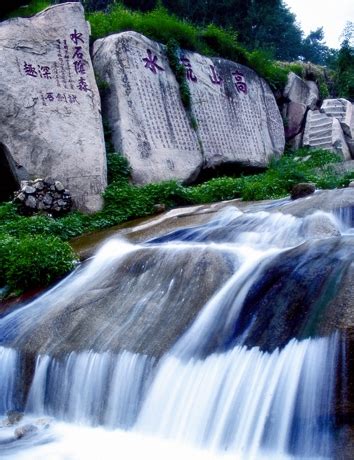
(8, 377)
(91, 388)
(245, 400)
(212, 381)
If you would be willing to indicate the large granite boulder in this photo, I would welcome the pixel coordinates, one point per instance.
(325, 132)
(300, 95)
(49, 103)
(301, 91)
(236, 119)
(141, 302)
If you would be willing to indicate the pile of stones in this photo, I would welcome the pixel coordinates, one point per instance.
(43, 195)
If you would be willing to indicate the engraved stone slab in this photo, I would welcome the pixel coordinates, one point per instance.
(149, 124)
(324, 132)
(237, 117)
(235, 111)
(49, 102)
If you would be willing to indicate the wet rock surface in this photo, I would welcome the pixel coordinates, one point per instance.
(130, 304)
(319, 277)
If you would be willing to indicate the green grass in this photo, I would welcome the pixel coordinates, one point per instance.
(33, 261)
(33, 7)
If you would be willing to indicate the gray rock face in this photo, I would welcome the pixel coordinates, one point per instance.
(302, 92)
(301, 95)
(49, 102)
(235, 111)
(325, 132)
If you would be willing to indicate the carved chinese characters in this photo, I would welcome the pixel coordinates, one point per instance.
(235, 113)
(55, 129)
(232, 105)
(143, 105)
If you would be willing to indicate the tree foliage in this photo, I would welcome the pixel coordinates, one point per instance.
(344, 65)
(260, 24)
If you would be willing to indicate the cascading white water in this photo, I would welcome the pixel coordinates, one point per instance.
(207, 391)
(8, 374)
(91, 388)
(244, 401)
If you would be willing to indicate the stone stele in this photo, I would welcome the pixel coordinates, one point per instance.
(49, 103)
(234, 117)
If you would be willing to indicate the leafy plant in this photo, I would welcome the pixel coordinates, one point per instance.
(118, 168)
(173, 55)
(33, 261)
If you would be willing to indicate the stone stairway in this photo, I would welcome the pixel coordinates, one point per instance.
(325, 132)
(318, 132)
(342, 110)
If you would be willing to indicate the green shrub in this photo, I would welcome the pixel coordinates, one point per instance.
(173, 51)
(223, 42)
(218, 189)
(33, 261)
(262, 63)
(157, 24)
(210, 40)
(33, 7)
(118, 168)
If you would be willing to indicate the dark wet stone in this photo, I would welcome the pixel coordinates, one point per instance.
(301, 190)
(14, 416)
(25, 431)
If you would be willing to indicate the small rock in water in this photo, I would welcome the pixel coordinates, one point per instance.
(43, 422)
(319, 225)
(301, 190)
(14, 416)
(25, 431)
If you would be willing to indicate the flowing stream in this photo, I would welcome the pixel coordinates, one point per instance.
(216, 383)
